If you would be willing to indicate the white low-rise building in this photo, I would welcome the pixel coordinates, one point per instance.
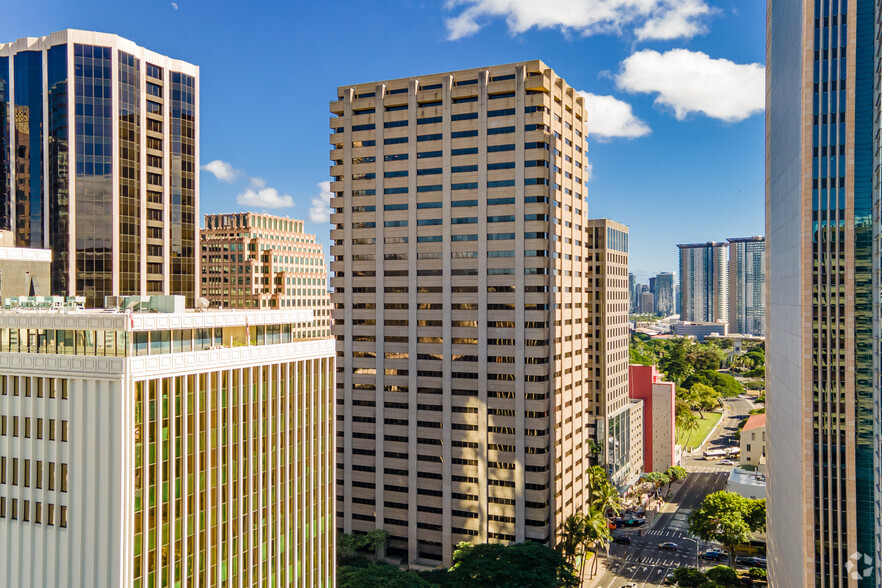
(162, 449)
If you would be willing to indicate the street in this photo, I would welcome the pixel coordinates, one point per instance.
(642, 562)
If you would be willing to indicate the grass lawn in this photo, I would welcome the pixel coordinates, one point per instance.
(704, 426)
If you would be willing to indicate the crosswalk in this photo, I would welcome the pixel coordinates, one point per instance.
(707, 469)
(662, 533)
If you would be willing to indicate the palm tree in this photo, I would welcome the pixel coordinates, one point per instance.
(572, 539)
(688, 423)
(605, 497)
(596, 532)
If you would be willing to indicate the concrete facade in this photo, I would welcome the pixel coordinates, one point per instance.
(252, 260)
(659, 429)
(753, 442)
(116, 205)
(23, 271)
(136, 450)
(469, 291)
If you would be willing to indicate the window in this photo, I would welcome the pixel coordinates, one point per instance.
(463, 134)
(501, 112)
(465, 116)
(431, 137)
(464, 203)
(428, 205)
(429, 120)
(500, 183)
(501, 131)
(432, 188)
(394, 140)
(394, 123)
(464, 151)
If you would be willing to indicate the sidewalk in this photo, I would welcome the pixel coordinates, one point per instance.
(601, 569)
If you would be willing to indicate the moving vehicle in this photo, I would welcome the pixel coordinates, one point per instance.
(751, 561)
(668, 546)
(714, 553)
(622, 540)
(728, 462)
(633, 522)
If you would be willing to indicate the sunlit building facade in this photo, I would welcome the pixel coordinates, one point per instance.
(823, 290)
(165, 449)
(252, 260)
(465, 293)
(704, 282)
(99, 161)
(747, 285)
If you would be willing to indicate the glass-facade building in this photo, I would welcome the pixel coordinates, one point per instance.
(98, 162)
(704, 282)
(747, 285)
(823, 290)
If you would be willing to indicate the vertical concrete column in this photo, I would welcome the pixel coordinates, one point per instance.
(446, 332)
(346, 345)
(380, 347)
(520, 373)
(412, 317)
(483, 509)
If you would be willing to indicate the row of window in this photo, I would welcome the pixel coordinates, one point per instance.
(9, 426)
(54, 514)
(21, 476)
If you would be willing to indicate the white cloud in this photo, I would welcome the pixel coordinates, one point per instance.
(609, 117)
(679, 19)
(691, 81)
(652, 19)
(257, 183)
(264, 198)
(320, 210)
(222, 171)
(174, 6)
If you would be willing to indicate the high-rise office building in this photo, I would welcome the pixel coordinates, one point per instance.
(822, 219)
(647, 303)
(162, 449)
(664, 294)
(632, 292)
(465, 288)
(252, 260)
(747, 285)
(99, 162)
(704, 282)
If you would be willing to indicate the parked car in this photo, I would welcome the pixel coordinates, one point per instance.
(727, 462)
(668, 546)
(751, 561)
(714, 553)
(622, 540)
(636, 522)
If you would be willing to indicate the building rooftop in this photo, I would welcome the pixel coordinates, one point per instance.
(746, 239)
(746, 478)
(754, 422)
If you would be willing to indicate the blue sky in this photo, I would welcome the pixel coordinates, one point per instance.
(675, 130)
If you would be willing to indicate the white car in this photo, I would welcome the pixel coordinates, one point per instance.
(727, 462)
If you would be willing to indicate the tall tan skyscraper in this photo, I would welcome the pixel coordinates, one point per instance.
(252, 260)
(466, 302)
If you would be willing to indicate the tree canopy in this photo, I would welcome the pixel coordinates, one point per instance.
(728, 518)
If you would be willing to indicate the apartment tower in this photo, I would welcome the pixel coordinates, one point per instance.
(747, 285)
(465, 295)
(704, 282)
(664, 294)
(252, 260)
(822, 263)
(99, 161)
(162, 449)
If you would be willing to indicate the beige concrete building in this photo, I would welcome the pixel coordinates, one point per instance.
(252, 260)
(753, 442)
(162, 449)
(23, 271)
(468, 303)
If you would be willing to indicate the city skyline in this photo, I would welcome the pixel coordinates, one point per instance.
(723, 151)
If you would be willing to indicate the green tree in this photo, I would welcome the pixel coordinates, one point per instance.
(675, 362)
(375, 541)
(728, 518)
(687, 422)
(657, 479)
(597, 532)
(529, 564)
(347, 546)
(705, 357)
(724, 576)
(674, 474)
(702, 398)
(605, 497)
(378, 575)
(688, 577)
(573, 536)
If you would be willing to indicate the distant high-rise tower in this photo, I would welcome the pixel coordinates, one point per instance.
(704, 282)
(252, 260)
(664, 294)
(747, 285)
(471, 296)
(823, 291)
(99, 162)
(632, 292)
